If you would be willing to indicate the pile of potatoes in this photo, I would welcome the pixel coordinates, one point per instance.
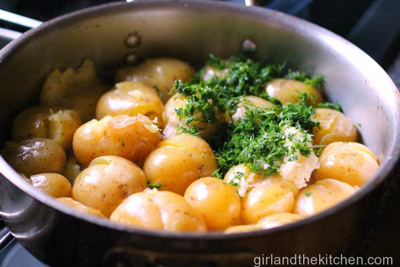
(115, 153)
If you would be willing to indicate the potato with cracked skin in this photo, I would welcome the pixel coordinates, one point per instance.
(334, 126)
(322, 195)
(132, 138)
(179, 161)
(159, 73)
(159, 210)
(352, 163)
(172, 122)
(107, 182)
(53, 123)
(79, 206)
(131, 98)
(35, 155)
(53, 184)
(287, 91)
(217, 201)
(74, 89)
(273, 196)
(245, 103)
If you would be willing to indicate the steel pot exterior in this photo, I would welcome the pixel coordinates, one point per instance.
(191, 30)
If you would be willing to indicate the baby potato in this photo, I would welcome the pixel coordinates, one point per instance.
(106, 182)
(172, 121)
(217, 201)
(74, 89)
(287, 91)
(72, 169)
(321, 196)
(131, 98)
(53, 123)
(132, 138)
(248, 102)
(274, 196)
(160, 73)
(278, 219)
(79, 206)
(34, 156)
(179, 161)
(334, 126)
(352, 163)
(209, 72)
(53, 184)
(152, 209)
(243, 228)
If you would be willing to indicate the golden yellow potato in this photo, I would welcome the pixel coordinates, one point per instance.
(321, 196)
(152, 209)
(172, 121)
(53, 123)
(160, 73)
(243, 228)
(278, 219)
(210, 72)
(352, 163)
(334, 127)
(131, 98)
(273, 196)
(79, 206)
(72, 169)
(243, 178)
(74, 89)
(132, 138)
(53, 184)
(106, 182)
(34, 156)
(217, 201)
(247, 102)
(287, 91)
(178, 161)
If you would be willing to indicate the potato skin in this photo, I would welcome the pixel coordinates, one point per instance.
(248, 102)
(287, 91)
(72, 169)
(352, 163)
(178, 161)
(79, 206)
(334, 127)
(53, 184)
(322, 195)
(131, 98)
(107, 182)
(132, 138)
(35, 155)
(209, 72)
(159, 210)
(273, 196)
(217, 201)
(159, 73)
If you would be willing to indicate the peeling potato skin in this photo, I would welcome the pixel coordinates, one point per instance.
(107, 182)
(132, 138)
(35, 155)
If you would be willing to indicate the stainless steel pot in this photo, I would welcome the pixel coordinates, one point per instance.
(191, 30)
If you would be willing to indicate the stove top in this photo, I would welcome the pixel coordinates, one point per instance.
(373, 25)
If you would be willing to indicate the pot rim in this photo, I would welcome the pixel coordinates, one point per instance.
(280, 19)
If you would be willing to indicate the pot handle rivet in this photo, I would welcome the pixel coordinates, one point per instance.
(249, 46)
(132, 40)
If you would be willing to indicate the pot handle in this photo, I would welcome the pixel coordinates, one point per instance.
(7, 35)
(5, 235)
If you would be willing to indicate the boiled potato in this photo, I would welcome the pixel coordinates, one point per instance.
(53, 184)
(74, 89)
(321, 196)
(209, 72)
(131, 98)
(178, 161)
(35, 155)
(247, 102)
(274, 196)
(287, 91)
(172, 121)
(156, 210)
(243, 228)
(217, 201)
(53, 123)
(106, 182)
(72, 169)
(352, 163)
(159, 73)
(79, 206)
(130, 137)
(334, 126)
